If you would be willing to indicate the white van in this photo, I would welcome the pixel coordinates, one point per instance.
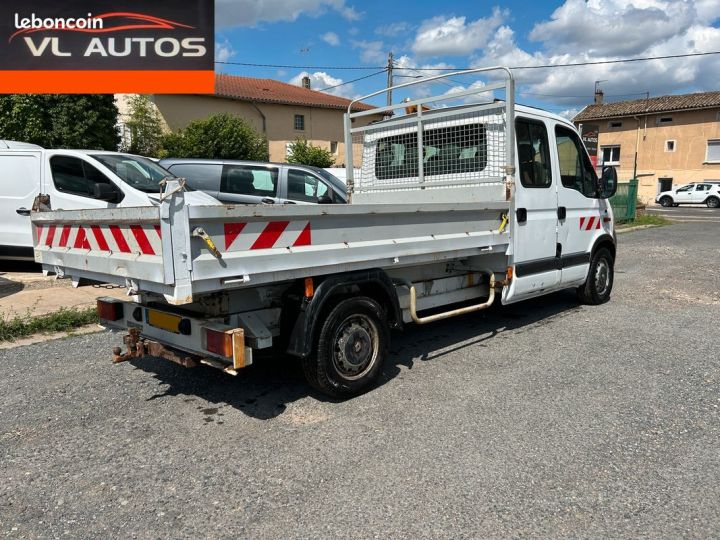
(74, 179)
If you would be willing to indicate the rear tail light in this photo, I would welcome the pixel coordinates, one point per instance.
(110, 309)
(219, 342)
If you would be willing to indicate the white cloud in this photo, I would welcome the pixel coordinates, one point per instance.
(370, 51)
(455, 36)
(613, 27)
(250, 12)
(394, 30)
(349, 13)
(224, 51)
(331, 38)
(573, 87)
(321, 80)
(569, 113)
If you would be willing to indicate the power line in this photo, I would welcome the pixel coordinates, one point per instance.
(540, 66)
(352, 81)
(563, 96)
(289, 66)
(576, 64)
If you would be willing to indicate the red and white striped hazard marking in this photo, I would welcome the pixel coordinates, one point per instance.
(267, 235)
(140, 239)
(589, 223)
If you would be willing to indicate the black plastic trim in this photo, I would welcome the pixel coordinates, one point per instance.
(17, 252)
(551, 263)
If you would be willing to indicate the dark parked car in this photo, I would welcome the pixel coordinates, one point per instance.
(253, 182)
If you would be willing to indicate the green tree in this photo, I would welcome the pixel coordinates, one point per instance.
(220, 136)
(145, 126)
(305, 153)
(87, 121)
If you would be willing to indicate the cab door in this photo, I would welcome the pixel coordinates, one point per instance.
(683, 195)
(583, 217)
(534, 219)
(71, 183)
(19, 184)
(249, 184)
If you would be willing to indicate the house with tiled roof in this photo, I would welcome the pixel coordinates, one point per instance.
(663, 141)
(282, 112)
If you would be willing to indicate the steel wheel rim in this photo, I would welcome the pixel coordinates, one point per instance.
(356, 346)
(602, 277)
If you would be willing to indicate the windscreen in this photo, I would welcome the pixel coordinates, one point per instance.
(138, 172)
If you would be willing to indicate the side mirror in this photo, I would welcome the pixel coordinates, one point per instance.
(608, 183)
(325, 199)
(105, 192)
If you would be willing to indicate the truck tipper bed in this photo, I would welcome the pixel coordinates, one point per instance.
(442, 216)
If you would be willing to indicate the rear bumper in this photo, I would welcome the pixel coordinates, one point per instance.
(187, 345)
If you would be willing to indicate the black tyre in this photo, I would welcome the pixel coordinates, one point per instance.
(599, 283)
(351, 348)
(666, 201)
(712, 202)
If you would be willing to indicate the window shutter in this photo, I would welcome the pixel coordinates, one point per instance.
(713, 151)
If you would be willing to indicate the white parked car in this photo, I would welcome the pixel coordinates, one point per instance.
(74, 179)
(702, 193)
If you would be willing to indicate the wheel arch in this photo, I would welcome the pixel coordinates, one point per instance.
(375, 284)
(606, 241)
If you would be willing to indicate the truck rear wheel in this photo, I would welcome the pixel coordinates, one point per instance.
(351, 348)
(599, 282)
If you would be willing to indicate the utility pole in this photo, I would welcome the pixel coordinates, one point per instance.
(389, 77)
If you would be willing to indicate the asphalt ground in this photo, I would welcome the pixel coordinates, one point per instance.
(687, 213)
(544, 419)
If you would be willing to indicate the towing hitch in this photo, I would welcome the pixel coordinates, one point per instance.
(139, 348)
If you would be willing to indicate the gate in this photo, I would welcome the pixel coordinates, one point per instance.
(624, 201)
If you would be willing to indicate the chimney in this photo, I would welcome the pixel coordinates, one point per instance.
(306, 82)
(599, 97)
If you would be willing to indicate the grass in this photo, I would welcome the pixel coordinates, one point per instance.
(646, 219)
(60, 321)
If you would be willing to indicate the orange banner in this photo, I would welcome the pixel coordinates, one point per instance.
(107, 82)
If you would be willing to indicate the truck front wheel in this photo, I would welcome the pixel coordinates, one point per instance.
(599, 283)
(351, 348)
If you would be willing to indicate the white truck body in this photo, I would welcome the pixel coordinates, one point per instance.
(448, 207)
(27, 170)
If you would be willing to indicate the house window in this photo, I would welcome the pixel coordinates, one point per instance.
(713, 151)
(611, 155)
(299, 122)
(334, 148)
(664, 120)
(670, 146)
(615, 124)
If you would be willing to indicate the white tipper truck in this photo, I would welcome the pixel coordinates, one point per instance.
(449, 207)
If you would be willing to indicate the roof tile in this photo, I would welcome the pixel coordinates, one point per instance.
(701, 100)
(272, 91)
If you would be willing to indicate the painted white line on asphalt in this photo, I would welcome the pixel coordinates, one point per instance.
(695, 220)
(675, 210)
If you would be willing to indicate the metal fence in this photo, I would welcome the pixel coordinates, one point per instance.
(624, 202)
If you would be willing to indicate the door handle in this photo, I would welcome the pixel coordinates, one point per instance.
(267, 200)
(23, 211)
(521, 214)
(562, 212)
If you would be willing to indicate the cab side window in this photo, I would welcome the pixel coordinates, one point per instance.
(249, 180)
(533, 154)
(77, 177)
(576, 170)
(303, 186)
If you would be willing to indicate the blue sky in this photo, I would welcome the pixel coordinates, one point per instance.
(424, 34)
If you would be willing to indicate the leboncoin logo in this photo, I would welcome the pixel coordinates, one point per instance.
(165, 47)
